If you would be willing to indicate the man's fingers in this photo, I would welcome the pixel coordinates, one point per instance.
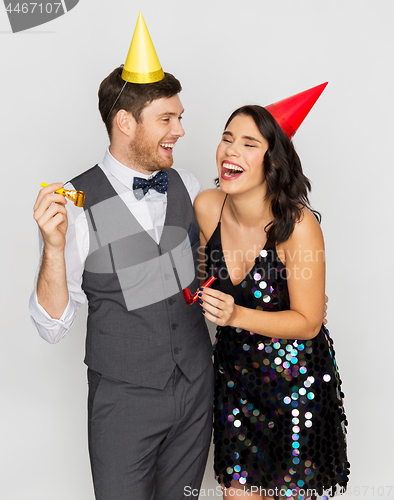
(47, 201)
(43, 216)
(43, 202)
(51, 188)
(52, 225)
(50, 213)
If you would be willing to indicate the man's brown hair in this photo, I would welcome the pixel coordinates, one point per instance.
(134, 96)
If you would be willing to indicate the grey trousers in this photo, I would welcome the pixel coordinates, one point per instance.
(149, 444)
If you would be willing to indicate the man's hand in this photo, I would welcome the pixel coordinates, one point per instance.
(51, 216)
(325, 309)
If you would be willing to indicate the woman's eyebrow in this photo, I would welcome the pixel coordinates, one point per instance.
(247, 137)
(250, 138)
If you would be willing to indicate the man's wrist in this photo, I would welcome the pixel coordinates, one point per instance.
(53, 253)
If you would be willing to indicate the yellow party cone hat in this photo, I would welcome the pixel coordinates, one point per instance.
(142, 64)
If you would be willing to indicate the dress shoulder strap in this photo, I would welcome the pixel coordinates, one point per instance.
(225, 198)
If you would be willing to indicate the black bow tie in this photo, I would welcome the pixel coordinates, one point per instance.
(141, 186)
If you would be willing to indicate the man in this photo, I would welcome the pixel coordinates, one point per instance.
(131, 250)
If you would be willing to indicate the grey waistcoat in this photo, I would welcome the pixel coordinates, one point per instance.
(139, 325)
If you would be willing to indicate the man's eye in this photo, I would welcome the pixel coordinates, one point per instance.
(226, 140)
(250, 145)
(166, 120)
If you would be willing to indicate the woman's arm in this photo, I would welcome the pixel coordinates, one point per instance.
(305, 265)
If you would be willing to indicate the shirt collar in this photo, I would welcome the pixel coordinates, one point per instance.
(123, 174)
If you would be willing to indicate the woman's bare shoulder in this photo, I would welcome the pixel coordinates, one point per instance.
(307, 231)
(209, 202)
(208, 205)
(307, 235)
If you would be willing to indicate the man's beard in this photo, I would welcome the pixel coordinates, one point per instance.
(144, 154)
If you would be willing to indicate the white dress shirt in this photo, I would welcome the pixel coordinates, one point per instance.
(150, 212)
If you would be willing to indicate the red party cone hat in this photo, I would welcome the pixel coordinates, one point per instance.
(291, 112)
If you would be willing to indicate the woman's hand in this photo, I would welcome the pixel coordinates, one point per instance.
(218, 307)
(325, 310)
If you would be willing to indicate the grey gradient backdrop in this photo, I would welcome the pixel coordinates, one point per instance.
(226, 53)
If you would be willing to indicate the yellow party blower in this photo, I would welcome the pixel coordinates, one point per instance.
(78, 197)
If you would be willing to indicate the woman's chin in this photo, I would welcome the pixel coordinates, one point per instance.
(230, 188)
(232, 185)
(224, 186)
(236, 186)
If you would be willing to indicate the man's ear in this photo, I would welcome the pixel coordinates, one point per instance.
(125, 122)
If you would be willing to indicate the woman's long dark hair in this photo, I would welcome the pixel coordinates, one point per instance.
(287, 186)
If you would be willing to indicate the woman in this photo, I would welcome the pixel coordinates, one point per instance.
(279, 420)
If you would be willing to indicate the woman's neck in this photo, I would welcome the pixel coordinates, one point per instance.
(250, 209)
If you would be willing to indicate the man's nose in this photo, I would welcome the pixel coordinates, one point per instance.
(178, 130)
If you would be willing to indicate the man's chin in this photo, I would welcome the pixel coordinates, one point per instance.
(163, 165)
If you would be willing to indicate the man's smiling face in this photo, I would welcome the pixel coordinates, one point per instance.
(156, 134)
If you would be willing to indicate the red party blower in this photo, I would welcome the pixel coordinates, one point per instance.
(190, 299)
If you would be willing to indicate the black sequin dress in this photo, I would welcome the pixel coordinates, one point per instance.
(279, 420)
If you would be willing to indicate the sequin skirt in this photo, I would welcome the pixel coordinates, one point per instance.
(279, 416)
